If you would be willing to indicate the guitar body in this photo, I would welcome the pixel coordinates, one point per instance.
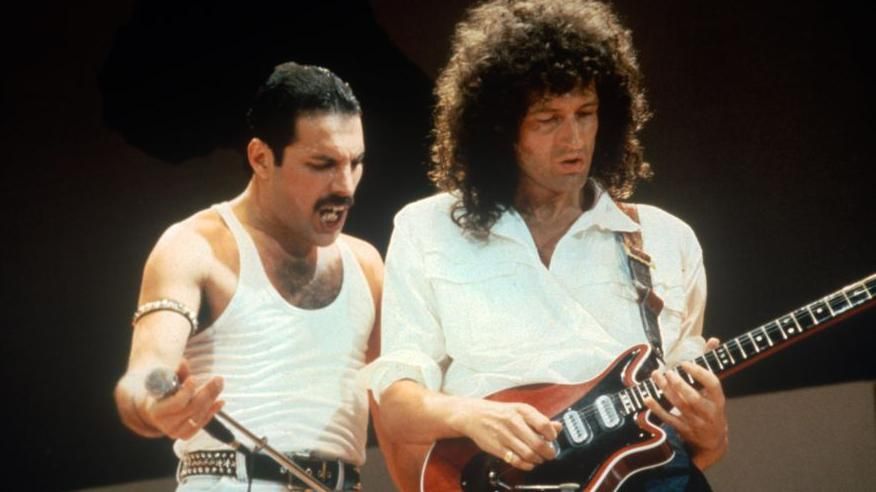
(602, 463)
(608, 432)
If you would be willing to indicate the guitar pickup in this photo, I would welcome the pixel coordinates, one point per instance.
(608, 416)
(576, 429)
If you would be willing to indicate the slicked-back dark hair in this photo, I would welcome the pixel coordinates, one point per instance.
(507, 53)
(293, 90)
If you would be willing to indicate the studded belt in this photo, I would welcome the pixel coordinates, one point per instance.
(336, 474)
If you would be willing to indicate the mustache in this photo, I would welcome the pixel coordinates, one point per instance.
(334, 200)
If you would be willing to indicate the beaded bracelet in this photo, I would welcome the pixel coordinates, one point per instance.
(167, 305)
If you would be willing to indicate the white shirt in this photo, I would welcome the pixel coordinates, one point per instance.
(471, 317)
(290, 373)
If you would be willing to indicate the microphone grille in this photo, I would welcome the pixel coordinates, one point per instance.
(161, 383)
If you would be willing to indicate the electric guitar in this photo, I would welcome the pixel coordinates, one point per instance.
(608, 432)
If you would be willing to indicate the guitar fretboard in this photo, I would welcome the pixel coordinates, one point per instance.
(764, 339)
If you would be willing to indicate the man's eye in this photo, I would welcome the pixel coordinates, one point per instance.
(321, 166)
(547, 120)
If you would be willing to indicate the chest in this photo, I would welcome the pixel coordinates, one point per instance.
(546, 236)
(302, 284)
(503, 296)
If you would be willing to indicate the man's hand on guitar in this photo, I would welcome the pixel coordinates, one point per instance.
(699, 415)
(514, 432)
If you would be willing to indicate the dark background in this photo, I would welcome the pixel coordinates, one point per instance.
(120, 118)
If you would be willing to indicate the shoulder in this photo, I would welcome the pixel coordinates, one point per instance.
(187, 245)
(428, 220)
(659, 219)
(367, 256)
(195, 234)
(663, 230)
(427, 211)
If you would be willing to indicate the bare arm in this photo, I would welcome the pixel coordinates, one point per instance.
(372, 266)
(402, 461)
(418, 415)
(412, 411)
(174, 270)
(410, 414)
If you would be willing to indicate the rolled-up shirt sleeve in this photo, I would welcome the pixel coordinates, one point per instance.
(412, 343)
(691, 343)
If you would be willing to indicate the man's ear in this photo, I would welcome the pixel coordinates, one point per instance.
(260, 157)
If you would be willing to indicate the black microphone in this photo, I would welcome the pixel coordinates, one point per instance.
(162, 383)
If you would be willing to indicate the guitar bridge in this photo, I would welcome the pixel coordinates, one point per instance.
(498, 485)
(576, 428)
(563, 487)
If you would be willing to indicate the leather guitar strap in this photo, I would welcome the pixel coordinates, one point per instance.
(640, 266)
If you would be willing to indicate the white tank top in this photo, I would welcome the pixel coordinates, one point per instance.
(290, 373)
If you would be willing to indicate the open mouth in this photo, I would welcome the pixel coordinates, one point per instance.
(331, 215)
(572, 164)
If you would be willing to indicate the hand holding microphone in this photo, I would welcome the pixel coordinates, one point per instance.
(184, 410)
(180, 410)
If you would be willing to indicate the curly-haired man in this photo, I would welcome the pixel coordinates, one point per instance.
(518, 272)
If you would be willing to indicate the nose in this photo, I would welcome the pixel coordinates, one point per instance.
(572, 133)
(344, 181)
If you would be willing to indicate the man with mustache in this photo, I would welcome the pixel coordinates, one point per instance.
(517, 273)
(262, 306)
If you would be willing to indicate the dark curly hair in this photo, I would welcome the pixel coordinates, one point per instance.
(505, 53)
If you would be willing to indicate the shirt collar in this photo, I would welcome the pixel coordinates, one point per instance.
(604, 214)
(511, 225)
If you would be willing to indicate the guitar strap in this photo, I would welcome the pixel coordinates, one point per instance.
(640, 266)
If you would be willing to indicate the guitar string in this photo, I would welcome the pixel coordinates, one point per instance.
(838, 303)
(840, 300)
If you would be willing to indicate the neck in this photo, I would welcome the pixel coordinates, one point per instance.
(548, 215)
(541, 206)
(254, 209)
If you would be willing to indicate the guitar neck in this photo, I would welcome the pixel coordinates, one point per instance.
(783, 331)
(765, 340)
